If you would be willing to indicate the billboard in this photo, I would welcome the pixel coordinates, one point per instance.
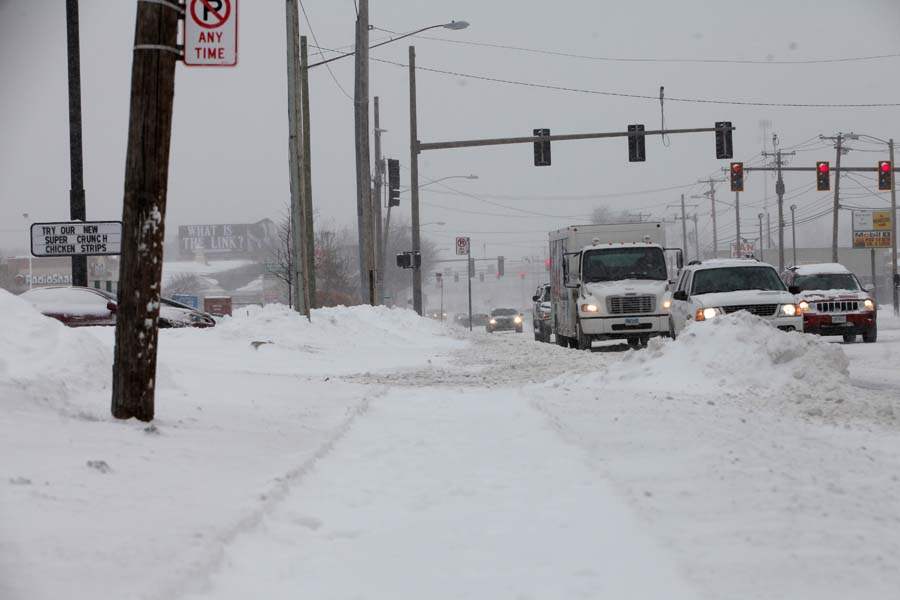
(871, 229)
(245, 240)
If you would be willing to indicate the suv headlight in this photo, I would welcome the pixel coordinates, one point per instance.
(791, 310)
(804, 306)
(493, 321)
(868, 304)
(517, 319)
(705, 314)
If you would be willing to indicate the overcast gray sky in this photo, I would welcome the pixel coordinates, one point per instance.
(229, 155)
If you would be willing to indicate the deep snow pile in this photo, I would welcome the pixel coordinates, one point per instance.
(42, 359)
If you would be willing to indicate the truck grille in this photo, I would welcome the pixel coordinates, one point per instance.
(837, 307)
(760, 310)
(629, 305)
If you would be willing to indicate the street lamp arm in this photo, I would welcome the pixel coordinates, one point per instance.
(388, 41)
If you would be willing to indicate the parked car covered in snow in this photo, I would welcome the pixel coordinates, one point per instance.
(712, 288)
(505, 319)
(84, 306)
(834, 302)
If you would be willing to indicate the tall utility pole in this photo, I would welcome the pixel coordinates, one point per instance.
(779, 190)
(414, 180)
(295, 148)
(838, 140)
(683, 226)
(794, 231)
(144, 210)
(895, 294)
(712, 199)
(77, 209)
(363, 169)
(696, 238)
(309, 231)
(376, 209)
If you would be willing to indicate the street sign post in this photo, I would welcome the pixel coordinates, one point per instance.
(462, 246)
(871, 229)
(211, 33)
(76, 238)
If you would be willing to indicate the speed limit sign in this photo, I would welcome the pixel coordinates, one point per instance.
(462, 245)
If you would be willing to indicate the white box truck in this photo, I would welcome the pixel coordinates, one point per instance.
(610, 281)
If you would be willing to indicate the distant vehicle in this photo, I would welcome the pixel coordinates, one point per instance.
(436, 315)
(609, 282)
(480, 319)
(505, 319)
(712, 288)
(84, 306)
(541, 312)
(461, 319)
(834, 302)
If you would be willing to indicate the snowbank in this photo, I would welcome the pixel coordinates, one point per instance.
(42, 359)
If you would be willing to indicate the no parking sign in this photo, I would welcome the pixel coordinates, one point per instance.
(210, 33)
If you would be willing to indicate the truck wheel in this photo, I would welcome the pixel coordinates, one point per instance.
(582, 342)
(634, 343)
(562, 340)
(871, 335)
(849, 338)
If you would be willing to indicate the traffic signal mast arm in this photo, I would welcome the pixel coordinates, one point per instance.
(832, 169)
(559, 138)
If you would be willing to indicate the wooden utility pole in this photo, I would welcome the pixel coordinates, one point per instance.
(310, 233)
(779, 191)
(837, 199)
(144, 210)
(295, 149)
(414, 180)
(363, 170)
(77, 209)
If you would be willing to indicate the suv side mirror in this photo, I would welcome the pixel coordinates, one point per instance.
(794, 289)
(680, 295)
(112, 307)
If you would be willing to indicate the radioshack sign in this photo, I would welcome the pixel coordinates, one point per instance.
(76, 238)
(210, 33)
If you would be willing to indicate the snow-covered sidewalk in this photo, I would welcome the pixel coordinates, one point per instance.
(445, 494)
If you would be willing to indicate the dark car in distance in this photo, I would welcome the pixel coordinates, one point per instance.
(505, 319)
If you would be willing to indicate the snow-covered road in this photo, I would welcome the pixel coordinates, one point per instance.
(373, 454)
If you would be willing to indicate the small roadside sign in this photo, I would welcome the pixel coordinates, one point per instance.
(76, 238)
(871, 229)
(462, 245)
(211, 33)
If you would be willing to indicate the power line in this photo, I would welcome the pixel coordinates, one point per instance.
(320, 49)
(739, 61)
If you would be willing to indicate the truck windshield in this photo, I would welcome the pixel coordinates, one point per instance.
(616, 263)
(826, 281)
(732, 279)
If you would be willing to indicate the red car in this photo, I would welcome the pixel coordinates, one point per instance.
(833, 302)
(84, 306)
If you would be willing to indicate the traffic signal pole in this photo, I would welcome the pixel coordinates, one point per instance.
(894, 290)
(414, 179)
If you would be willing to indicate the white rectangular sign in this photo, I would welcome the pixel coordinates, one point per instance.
(211, 33)
(462, 245)
(76, 238)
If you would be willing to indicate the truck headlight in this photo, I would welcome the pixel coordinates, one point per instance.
(790, 310)
(667, 304)
(589, 308)
(705, 314)
(868, 304)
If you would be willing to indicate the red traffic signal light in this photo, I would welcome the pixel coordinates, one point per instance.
(885, 174)
(823, 176)
(737, 177)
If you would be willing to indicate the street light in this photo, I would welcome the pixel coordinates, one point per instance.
(895, 294)
(452, 25)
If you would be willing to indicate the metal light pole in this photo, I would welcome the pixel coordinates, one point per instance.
(894, 289)
(737, 223)
(794, 231)
(77, 210)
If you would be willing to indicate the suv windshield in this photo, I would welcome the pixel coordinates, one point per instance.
(612, 264)
(545, 297)
(826, 281)
(732, 279)
(504, 312)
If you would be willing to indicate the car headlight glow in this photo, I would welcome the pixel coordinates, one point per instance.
(667, 304)
(704, 314)
(790, 310)
(493, 321)
(517, 319)
(589, 308)
(868, 304)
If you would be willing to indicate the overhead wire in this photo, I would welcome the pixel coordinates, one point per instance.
(320, 49)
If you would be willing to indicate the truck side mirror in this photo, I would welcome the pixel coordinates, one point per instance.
(535, 298)
(680, 295)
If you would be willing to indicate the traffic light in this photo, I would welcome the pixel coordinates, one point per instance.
(823, 176)
(636, 147)
(723, 140)
(885, 172)
(404, 260)
(542, 149)
(500, 266)
(393, 182)
(737, 177)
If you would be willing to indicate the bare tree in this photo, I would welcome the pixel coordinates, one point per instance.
(183, 283)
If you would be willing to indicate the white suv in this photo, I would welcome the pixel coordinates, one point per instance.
(708, 289)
